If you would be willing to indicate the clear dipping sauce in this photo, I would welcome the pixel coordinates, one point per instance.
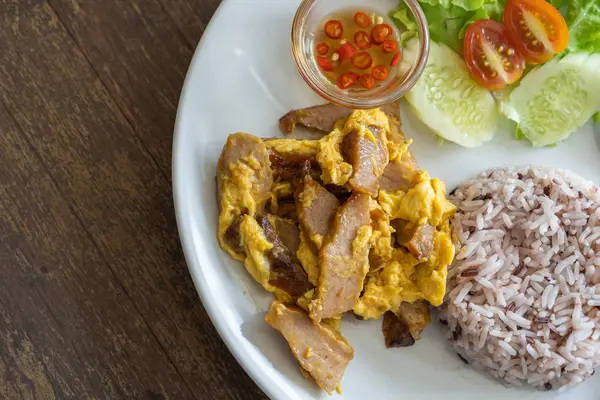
(356, 48)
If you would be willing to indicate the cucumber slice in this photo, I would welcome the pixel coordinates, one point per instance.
(556, 99)
(450, 102)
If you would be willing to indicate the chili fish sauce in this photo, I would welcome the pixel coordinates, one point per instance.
(357, 48)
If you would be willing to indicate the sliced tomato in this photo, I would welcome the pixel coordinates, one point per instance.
(347, 80)
(536, 29)
(380, 73)
(492, 60)
(334, 29)
(322, 49)
(367, 81)
(362, 40)
(362, 60)
(346, 51)
(362, 20)
(396, 59)
(389, 46)
(325, 64)
(380, 33)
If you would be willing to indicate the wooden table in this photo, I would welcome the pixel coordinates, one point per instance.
(95, 298)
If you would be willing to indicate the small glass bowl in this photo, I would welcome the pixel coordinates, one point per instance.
(309, 18)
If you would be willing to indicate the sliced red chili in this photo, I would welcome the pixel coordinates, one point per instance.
(380, 33)
(322, 49)
(334, 29)
(347, 80)
(389, 46)
(362, 60)
(367, 81)
(362, 40)
(380, 73)
(396, 59)
(362, 20)
(346, 51)
(325, 63)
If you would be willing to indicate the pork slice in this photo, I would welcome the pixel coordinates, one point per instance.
(241, 193)
(417, 239)
(343, 266)
(415, 316)
(320, 350)
(421, 244)
(285, 273)
(289, 234)
(400, 175)
(368, 159)
(395, 331)
(316, 207)
(290, 166)
(322, 117)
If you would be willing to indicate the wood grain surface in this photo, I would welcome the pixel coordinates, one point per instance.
(96, 301)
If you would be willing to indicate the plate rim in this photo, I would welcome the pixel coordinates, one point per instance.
(241, 355)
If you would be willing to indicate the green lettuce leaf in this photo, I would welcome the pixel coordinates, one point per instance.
(583, 20)
(596, 117)
(402, 18)
(448, 20)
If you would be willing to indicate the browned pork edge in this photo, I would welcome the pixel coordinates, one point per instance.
(323, 117)
(419, 240)
(316, 217)
(290, 166)
(240, 147)
(288, 233)
(395, 331)
(321, 351)
(415, 315)
(342, 272)
(368, 160)
(404, 327)
(285, 272)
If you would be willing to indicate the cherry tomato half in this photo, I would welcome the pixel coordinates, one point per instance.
(322, 49)
(536, 29)
(347, 80)
(362, 20)
(334, 29)
(490, 57)
(396, 59)
(346, 51)
(367, 81)
(362, 40)
(380, 33)
(380, 73)
(389, 46)
(325, 64)
(362, 60)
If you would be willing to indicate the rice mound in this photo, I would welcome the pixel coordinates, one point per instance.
(522, 300)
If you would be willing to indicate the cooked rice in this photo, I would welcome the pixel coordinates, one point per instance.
(522, 296)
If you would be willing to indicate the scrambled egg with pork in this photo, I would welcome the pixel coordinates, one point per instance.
(289, 210)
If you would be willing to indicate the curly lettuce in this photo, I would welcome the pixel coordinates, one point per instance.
(448, 20)
(583, 20)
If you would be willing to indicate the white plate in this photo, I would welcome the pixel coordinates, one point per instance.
(243, 78)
